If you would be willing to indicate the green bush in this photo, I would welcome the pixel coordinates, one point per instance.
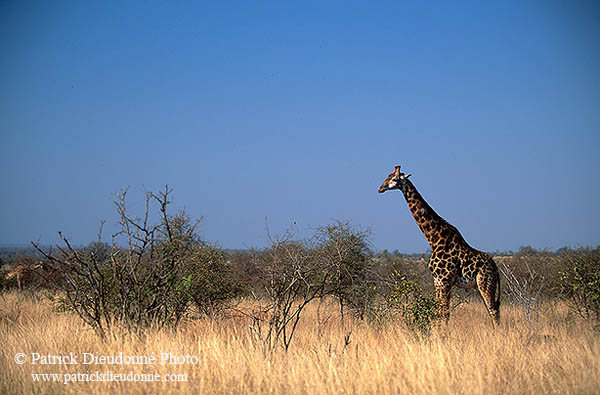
(401, 298)
(209, 281)
(417, 308)
(580, 281)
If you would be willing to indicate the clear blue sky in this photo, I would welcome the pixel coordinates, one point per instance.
(296, 111)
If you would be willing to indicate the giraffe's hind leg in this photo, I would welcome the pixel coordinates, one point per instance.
(488, 285)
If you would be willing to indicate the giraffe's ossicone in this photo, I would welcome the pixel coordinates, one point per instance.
(453, 262)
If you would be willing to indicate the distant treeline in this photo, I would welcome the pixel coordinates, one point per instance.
(522, 251)
(8, 253)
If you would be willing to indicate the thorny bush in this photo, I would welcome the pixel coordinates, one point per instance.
(150, 275)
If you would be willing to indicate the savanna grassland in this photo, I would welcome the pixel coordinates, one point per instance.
(160, 310)
(554, 351)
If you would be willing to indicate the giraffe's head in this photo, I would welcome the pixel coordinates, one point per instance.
(394, 181)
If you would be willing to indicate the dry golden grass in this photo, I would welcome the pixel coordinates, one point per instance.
(557, 353)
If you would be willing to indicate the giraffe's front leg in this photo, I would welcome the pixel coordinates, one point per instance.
(442, 293)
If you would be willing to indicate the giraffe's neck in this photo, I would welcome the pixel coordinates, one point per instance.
(430, 223)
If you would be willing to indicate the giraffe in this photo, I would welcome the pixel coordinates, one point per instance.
(453, 262)
(23, 273)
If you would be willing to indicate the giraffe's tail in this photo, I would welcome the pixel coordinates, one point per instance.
(498, 291)
(497, 298)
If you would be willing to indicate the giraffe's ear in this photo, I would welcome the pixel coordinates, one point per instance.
(406, 176)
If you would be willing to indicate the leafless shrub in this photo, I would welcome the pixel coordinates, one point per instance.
(291, 278)
(343, 253)
(148, 277)
(524, 289)
(293, 273)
